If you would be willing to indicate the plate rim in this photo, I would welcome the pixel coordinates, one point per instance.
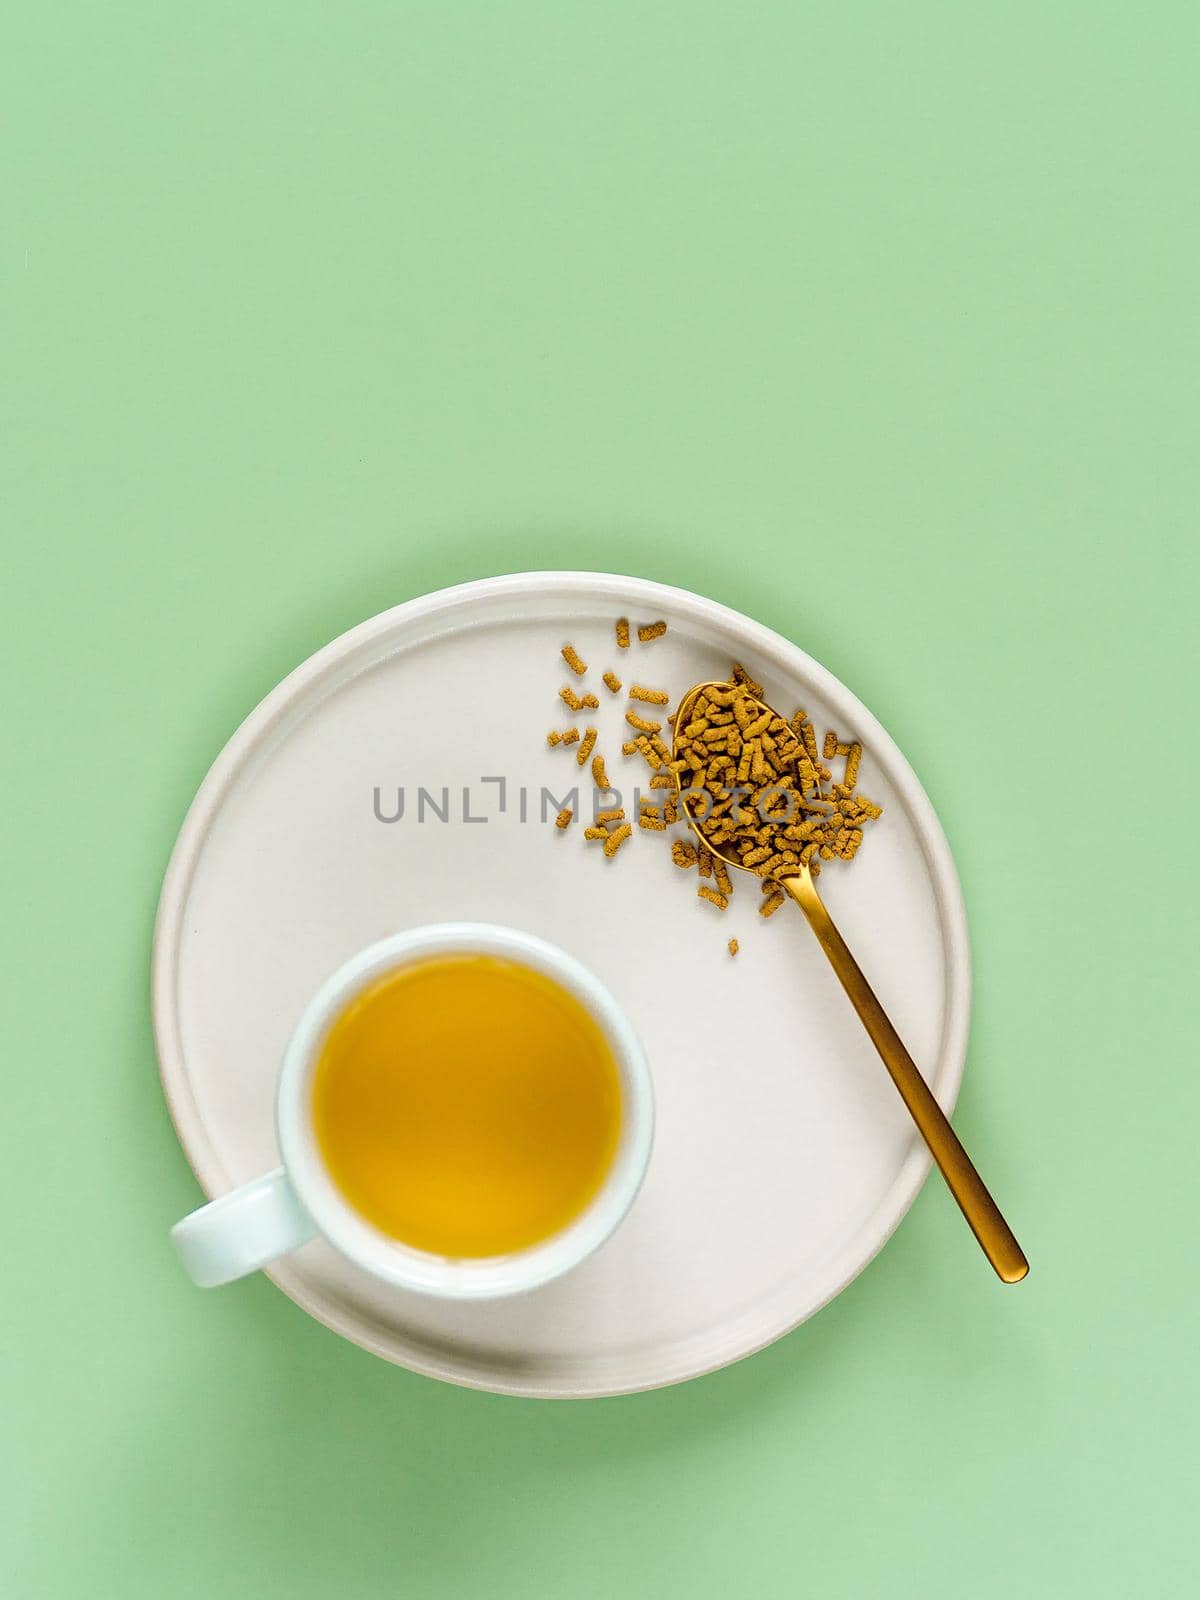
(242, 744)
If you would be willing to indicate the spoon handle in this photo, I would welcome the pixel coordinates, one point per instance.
(967, 1187)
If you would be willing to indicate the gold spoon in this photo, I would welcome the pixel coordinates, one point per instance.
(968, 1188)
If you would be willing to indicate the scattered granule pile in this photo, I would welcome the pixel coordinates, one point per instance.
(759, 788)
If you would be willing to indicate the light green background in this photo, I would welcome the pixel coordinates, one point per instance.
(877, 322)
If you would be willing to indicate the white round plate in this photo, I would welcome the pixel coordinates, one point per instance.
(783, 1157)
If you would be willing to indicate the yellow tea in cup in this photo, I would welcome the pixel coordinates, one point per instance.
(467, 1105)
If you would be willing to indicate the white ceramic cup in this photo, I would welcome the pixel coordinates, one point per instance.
(277, 1213)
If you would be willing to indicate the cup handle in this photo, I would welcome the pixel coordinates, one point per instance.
(243, 1231)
